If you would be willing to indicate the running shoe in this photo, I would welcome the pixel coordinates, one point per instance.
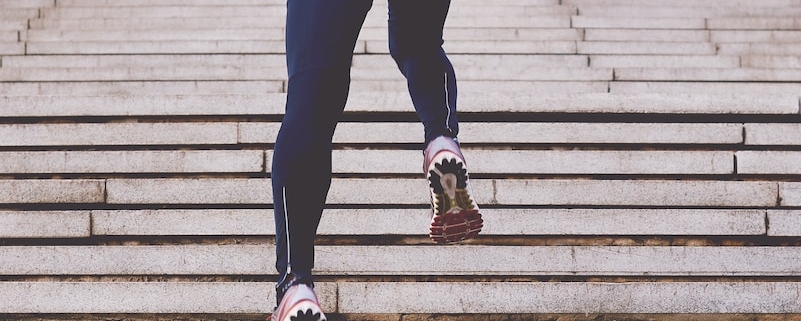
(299, 303)
(455, 215)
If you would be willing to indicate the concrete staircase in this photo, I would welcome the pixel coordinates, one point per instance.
(636, 160)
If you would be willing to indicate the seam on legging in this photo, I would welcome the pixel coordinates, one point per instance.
(286, 224)
(448, 105)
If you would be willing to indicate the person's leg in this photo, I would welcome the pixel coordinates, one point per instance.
(415, 42)
(320, 38)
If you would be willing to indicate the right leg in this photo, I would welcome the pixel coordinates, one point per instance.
(320, 37)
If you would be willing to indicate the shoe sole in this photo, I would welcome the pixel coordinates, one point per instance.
(305, 308)
(456, 217)
(305, 311)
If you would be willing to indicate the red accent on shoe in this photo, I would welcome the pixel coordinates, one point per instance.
(455, 226)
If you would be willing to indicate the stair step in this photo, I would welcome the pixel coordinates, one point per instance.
(250, 73)
(685, 87)
(409, 260)
(587, 162)
(550, 192)
(273, 104)
(393, 221)
(708, 74)
(705, 10)
(755, 23)
(684, 3)
(407, 297)
(567, 297)
(764, 49)
(12, 48)
(231, 133)
(372, 21)
(645, 48)
(191, 11)
(647, 35)
(639, 23)
(193, 87)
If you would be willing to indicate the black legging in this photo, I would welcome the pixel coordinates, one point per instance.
(320, 39)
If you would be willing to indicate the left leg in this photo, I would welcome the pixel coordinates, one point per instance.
(415, 42)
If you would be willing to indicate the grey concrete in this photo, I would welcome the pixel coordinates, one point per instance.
(646, 35)
(110, 134)
(153, 105)
(784, 223)
(260, 104)
(133, 3)
(623, 222)
(496, 73)
(645, 48)
(494, 86)
(164, 11)
(9, 36)
(12, 48)
(707, 74)
(393, 221)
(700, 10)
(637, 23)
(491, 22)
(685, 3)
(602, 133)
(183, 222)
(505, 192)
(768, 162)
(13, 25)
(772, 134)
(147, 61)
(62, 36)
(188, 191)
(17, 14)
(790, 193)
(152, 23)
(680, 87)
(637, 192)
(192, 73)
(57, 191)
(489, 47)
(461, 61)
(777, 62)
(44, 224)
(147, 87)
(766, 36)
(27, 3)
(530, 87)
(405, 260)
(469, 33)
(773, 48)
(219, 161)
(565, 133)
(755, 23)
(639, 103)
(159, 47)
(539, 162)
(137, 260)
(559, 260)
(663, 61)
(599, 162)
(571, 297)
(137, 297)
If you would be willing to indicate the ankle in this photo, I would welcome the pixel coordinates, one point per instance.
(288, 281)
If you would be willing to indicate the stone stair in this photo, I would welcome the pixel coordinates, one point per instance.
(636, 160)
